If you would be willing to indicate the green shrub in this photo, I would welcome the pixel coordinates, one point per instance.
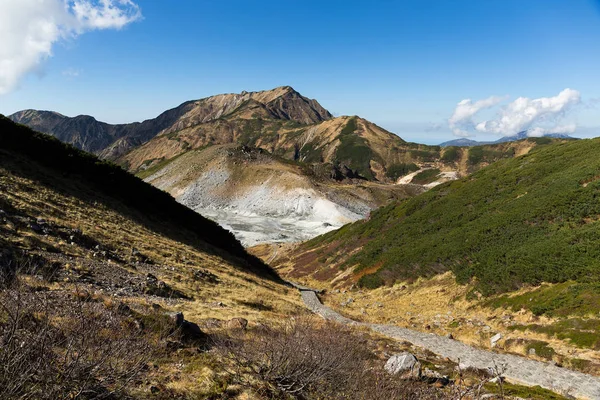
(395, 171)
(451, 154)
(541, 348)
(354, 152)
(425, 177)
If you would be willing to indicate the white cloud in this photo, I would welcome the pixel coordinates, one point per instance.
(537, 116)
(29, 29)
(466, 110)
(71, 73)
(560, 129)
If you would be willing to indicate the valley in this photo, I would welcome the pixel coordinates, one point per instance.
(393, 233)
(272, 166)
(276, 200)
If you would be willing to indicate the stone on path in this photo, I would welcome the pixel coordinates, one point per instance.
(404, 363)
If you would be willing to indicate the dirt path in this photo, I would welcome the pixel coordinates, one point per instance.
(518, 369)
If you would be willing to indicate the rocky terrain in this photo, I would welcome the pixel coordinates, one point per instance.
(515, 369)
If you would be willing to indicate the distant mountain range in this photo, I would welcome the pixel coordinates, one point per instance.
(463, 142)
(281, 121)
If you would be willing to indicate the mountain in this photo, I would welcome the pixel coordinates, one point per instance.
(523, 135)
(111, 141)
(463, 142)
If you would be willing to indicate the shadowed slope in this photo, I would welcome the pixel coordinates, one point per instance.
(70, 168)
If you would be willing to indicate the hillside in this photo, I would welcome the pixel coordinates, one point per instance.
(520, 221)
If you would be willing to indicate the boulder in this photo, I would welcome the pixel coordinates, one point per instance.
(405, 364)
(237, 323)
(495, 339)
(190, 332)
(176, 318)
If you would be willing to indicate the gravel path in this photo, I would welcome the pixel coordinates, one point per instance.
(518, 369)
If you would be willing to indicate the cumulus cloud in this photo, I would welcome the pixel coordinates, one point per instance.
(466, 110)
(539, 131)
(30, 28)
(536, 116)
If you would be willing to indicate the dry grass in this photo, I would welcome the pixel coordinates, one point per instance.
(439, 305)
(129, 249)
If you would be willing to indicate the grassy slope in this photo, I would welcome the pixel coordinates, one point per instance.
(159, 209)
(520, 221)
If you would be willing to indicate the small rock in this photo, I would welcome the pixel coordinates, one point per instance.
(495, 339)
(531, 352)
(404, 363)
(176, 318)
(211, 323)
(36, 228)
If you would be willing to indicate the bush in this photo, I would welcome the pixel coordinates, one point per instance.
(395, 171)
(451, 154)
(425, 177)
(54, 350)
(313, 360)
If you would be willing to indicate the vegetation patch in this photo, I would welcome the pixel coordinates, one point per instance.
(559, 300)
(541, 349)
(159, 163)
(309, 153)
(479, 154)
(354, 152)
(583, 333)
(425, 155)
(524, 392)
(451, 154)
(520, 221)
(425, 177)
(395, 171)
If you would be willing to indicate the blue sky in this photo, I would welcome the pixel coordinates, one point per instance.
(401, 64)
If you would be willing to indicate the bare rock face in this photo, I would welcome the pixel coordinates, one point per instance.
(295, 107)
(404, 364)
